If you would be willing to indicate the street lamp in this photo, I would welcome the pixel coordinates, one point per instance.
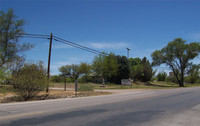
(128, 52)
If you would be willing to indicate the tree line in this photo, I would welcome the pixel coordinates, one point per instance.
(109, 68)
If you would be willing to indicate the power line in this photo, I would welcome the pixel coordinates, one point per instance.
(26, 35)
(35, 34)
(32, 37)
(78, 46)
(23, 34)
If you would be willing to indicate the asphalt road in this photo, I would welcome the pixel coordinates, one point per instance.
(171, 107)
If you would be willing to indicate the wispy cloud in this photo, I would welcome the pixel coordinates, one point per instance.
(109, 45)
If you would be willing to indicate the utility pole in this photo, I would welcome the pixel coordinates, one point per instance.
(128, 52)
(49, 60)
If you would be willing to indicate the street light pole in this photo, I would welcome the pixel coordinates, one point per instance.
(128, 59)
(128, 52)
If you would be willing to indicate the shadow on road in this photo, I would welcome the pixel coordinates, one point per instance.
(52, 118)
(131, 118)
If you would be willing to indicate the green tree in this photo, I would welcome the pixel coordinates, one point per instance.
(136, 72)
(123, 67)
(193, 74)
(30, 80)
(136, 68)
(105, 66)
(85, 69)
(4, 74)
(123, 70)
(10, 29)
(97, 65)
(147, 70)
(134, 61)
(140, 69)
(162, 76)
(57, 78)
(177, 55)
(110, 65)
(72, 71)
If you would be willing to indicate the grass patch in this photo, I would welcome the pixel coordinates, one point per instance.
(137, 85)
(86, 88)
(192, 85)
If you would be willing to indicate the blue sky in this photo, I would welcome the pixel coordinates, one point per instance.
(105, 25)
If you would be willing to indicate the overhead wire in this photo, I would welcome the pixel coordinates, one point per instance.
(78, 45)
(32, 37)
(26, 35)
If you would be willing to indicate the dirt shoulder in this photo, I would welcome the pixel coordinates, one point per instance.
(123, 91)
(53, 94)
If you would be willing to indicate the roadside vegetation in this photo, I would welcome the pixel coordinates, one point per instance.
(23, 81)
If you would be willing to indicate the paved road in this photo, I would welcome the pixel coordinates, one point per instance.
(171, 107)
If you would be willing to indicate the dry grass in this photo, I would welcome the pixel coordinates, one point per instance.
(53, 94)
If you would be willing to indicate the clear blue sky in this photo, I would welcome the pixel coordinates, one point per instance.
(105, 25)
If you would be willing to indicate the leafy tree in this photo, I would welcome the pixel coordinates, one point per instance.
(123, 70)
(193, 74)
(134, 61)
(10, 29)
(177, 55)
(97, 65)
(30, 80)
(162, 76)
(110, 66)
(136, 68)
(57, 78)
(17, 64)
(73, 71)
(147, 70)
(140, 69)
(105, 66)
(4, 74)
(85, 69)
(136, 72)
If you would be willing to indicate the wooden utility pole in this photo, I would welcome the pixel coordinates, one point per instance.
(49, 60)
(76, 87)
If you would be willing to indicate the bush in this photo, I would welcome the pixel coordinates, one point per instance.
(85, 79)
(57, 79)
(162, 76)
(4, 75)
(30, 80)
(86, 88)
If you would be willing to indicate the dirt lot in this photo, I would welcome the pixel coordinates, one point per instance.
(53, 94)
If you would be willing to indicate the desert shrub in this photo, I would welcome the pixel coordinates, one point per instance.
(4, 75)
(57, 79)
(30, 80)
(86, 88)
